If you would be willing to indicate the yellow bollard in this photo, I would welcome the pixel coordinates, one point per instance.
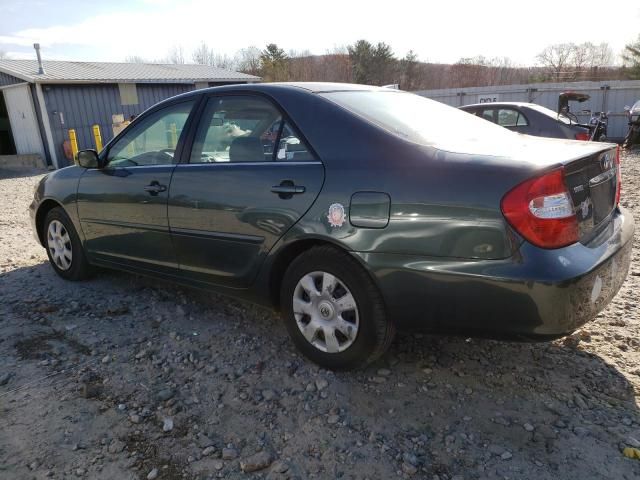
(74, 143)
(97, 137)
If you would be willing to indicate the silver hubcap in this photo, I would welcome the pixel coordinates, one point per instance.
(326, 312)
(59, 245)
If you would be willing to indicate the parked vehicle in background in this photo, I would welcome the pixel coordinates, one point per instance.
(564, 104)
(633, 135)
(379, 210)
(598, 124)
(531, 119)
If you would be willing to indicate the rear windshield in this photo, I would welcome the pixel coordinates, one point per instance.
(416, 118)
(550, 113)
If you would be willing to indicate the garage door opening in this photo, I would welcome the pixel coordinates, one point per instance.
(7, 145)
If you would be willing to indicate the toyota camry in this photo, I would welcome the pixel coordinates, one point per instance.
(352, 210)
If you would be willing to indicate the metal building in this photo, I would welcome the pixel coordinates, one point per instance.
(606, 96)
(41, 101)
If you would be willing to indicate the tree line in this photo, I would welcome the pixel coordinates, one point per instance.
(377, 64)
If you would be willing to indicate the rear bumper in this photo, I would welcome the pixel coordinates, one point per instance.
(536, 292)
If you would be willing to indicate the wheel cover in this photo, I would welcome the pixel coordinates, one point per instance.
(59, 244)
(326, 312)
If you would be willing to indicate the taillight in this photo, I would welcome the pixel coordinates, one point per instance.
(583, 136)
(618, 176)
(541, 210)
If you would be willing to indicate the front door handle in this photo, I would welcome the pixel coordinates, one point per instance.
(154, 188)
(287, 189)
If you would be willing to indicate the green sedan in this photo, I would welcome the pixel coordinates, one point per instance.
(353, 210)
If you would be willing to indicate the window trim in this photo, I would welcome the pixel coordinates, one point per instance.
(140, 120)
(198, 116)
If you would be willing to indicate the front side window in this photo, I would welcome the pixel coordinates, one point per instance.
(489, 114)
(152, 142)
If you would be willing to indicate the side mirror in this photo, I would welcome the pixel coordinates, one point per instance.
(88, 159)
(627, 108)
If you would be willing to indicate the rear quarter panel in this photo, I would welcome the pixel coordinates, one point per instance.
(442, 204)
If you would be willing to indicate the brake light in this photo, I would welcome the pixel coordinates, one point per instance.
(583, 136)
(618, 176)
(540, 209)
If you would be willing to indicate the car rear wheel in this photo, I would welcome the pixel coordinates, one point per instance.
(333, 311)
(63, 246)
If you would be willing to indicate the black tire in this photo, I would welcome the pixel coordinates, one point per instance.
(375, 331)
(79, 268)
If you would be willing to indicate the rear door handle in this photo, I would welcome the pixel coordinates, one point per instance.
(287, 189)
(155, 188)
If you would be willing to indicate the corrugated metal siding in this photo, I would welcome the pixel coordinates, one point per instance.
(6, 79)
(619, 94)
(82, 106)
(23, 120)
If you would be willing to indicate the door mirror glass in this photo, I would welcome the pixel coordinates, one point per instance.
(87, 159)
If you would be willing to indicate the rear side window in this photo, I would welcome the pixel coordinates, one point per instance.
(291, 148)
(508, 117)
(237, 129)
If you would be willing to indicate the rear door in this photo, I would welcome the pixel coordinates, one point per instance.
(250, 176)
(123, 206)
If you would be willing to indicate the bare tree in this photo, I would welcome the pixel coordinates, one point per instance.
(556, 59)
(135, 59)
(247, 60)
(207, 56)
(203, 55)
(570, 61)
(175, 55)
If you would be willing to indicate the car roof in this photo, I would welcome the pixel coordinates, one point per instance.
(312, 87)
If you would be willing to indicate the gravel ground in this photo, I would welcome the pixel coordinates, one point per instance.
(123, 377)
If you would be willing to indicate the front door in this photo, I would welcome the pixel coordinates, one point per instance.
(249, 178)
(123, 206)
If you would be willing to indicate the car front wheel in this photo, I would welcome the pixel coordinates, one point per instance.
(333, 311)
(63, 246)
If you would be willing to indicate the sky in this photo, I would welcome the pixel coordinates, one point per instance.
(437, 31)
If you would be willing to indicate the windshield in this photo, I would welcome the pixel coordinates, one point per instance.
(550, 113)
(416, 118)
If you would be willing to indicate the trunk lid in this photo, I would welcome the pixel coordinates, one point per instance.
(592, 182)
